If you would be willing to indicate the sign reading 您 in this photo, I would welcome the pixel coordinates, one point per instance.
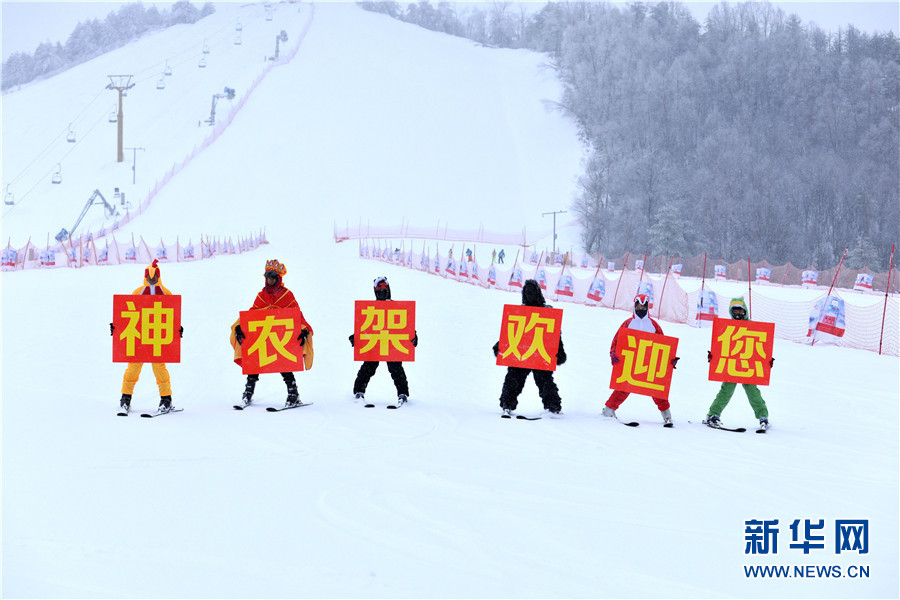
(270, 341)
(146, 329)
(529, 337)
(741, 351)
(383, 330)
(645, 363)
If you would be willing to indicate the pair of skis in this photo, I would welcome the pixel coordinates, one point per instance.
(390, 406)
(521, 417)
(636, 424)
(274, 408)
(124, 413)
(761, 429)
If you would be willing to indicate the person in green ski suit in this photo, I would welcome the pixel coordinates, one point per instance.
(738, 310)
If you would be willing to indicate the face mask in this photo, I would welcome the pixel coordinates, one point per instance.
(640, 312)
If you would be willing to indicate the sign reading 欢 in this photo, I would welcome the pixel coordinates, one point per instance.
(270, 341)
(741, 351)
(645, 363)
(529, 337)
(146, 329)
(384, 330)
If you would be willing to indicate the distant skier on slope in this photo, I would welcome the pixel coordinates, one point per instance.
(738, 310)
(640, 321)
(152, 286)
(395, 368)
(274, 295)
(516, 376)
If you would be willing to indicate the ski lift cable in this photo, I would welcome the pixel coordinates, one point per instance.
(53, 141)
(189, 51)
(42, 178)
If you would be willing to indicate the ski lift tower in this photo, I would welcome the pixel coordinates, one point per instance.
(121, 83)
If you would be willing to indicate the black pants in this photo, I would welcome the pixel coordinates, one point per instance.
(368, 369)
(288, 379)
(515, 382)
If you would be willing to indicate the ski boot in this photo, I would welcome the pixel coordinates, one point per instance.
(667, 417)
(763, 424)
(249, 387)
(165, 404)
(402, 399)
(293, 396)
(125, 402)
(608, 412)
(554, 413)
(712, 421)
(359, 397)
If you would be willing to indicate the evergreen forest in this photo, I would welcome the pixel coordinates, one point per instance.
(751, 135)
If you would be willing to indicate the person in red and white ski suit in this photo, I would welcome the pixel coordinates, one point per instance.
(640, 321)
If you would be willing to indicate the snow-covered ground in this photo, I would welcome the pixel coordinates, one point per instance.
(375, 119)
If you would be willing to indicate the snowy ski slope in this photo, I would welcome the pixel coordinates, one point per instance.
(375, 119)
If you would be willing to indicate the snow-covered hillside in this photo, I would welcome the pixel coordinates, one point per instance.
(378, 120)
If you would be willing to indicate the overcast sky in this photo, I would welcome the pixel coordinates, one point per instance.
(27, 24)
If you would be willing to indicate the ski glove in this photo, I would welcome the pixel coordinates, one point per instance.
(351, 340)
(111, 328)
(613, 358)
(708, 356)
(675, 362)
(560, 354)
(771, 362)
(181, 331)
(239, 335)
(496, 349)
(303, 335)
(415, 340)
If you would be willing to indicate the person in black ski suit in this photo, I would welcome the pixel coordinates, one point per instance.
(368, 368)
(516, 376)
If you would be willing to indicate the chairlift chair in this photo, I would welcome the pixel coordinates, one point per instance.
(57, 176)
(161, 84)
(113, 116)
(205, 48)
(239, 27)
(202, 63)
(70, 137)
(168, 71)
(9, 197)
(237, 39)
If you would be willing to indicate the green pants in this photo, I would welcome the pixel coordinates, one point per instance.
(727, 391)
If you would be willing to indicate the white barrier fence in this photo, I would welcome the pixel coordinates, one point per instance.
(873, 324)
(87, 251)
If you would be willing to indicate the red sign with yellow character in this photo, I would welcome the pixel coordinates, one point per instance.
(529, 337)
(741, 351)
(645, 363)
(383, 330)
(146, 329)
(270, 344)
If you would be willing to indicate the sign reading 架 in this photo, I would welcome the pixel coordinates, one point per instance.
(645, 363)
(146, 329)
(741, 351)
(529, 337)
(383, 330)
(270, 341)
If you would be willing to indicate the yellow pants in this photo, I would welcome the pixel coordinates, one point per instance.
(133, 372)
